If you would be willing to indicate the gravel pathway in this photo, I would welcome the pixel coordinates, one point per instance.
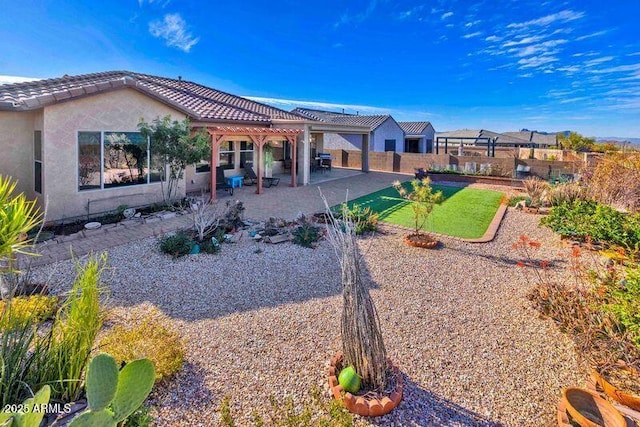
(455, 320)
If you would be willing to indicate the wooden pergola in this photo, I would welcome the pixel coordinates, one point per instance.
(259, 136)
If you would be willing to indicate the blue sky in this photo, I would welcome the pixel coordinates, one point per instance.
(494, 64)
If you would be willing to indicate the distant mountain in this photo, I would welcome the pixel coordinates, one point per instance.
(634, 141)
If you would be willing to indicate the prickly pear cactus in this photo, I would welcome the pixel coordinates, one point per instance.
(32, 417)
(113, 395)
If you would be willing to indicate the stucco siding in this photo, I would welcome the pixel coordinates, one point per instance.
(389, 129)
(114, 111)
(16, 148)
(336, 141)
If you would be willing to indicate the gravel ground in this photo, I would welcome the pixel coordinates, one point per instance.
(455, 320)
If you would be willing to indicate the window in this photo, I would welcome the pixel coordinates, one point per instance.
(227, 155)
(115, 159)
(203, 166)
(246, 152)
(37, 161)
(389, 145)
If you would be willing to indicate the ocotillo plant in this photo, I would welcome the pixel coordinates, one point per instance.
(362, 343)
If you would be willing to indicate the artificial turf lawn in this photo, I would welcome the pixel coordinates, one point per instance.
(465, 212)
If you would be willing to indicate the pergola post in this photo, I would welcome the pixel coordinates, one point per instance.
(215, 151)
(259, 140)
(306, 155)
(294, 160)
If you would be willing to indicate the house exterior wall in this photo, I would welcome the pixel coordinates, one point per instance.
(16, 146)
(430, 137)
(335, 141)
(120, 110)
(389, 129)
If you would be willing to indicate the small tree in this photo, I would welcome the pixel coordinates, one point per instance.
(422, 200)
(173, 142)
(576, 142)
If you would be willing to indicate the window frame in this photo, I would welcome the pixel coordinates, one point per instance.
(37, 162)
(389, 141)
(102, 186)
(230, 152)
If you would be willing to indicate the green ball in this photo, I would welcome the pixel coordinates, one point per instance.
(349, 380)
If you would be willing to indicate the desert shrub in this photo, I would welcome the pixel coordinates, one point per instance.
(306, 235)
(584, 220)
(316, 411)
(210, 246)
(536, 189)
(177, 245)
(616, 180)
(149, 338)
(23, 310)
(364, 218)
(513, 201)
(422, 198)
(598, 309)
(567, 192)
(64, 352)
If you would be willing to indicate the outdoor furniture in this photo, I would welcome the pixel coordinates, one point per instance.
(221, 181)
(420, 173)
(235, 181)
(324, 161)
(251, 178)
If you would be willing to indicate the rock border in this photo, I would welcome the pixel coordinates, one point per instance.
(361, 405)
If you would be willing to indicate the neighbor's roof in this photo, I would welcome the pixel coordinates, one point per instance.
(196, 101)
(372, 121)
(414, 128)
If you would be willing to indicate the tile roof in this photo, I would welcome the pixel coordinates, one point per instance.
(197, 101)
(372, 121)
(414, 128)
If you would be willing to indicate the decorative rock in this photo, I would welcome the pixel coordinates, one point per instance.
(129, 213)
(94, 225)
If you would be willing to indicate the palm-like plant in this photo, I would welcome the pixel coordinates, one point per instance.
(17, 216)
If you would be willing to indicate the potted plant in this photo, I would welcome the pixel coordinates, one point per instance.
(422, 200)
(360, 375)
(620, 382)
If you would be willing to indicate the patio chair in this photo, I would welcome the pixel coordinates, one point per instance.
(221, 181)
(251, 178)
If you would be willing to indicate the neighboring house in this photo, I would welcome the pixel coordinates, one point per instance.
(385, 133)
(479, 137)
(74, 141)
(418, 137)
(538, 139)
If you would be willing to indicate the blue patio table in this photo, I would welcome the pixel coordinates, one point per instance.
(235, 181)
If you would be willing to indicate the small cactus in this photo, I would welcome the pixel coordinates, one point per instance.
(113, 395)
(33, 416)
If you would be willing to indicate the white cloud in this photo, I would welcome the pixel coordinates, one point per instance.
(597, 61)
(446, 15)
(493, 39)
(537, 61)
(471, 35)
(173, 30)
(562, 16)
(5, 80)
(346, 18)
(588, 36)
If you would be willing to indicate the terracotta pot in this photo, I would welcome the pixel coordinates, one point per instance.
(627, 399)
(420, 240)
(590, 410)
(365, 405)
